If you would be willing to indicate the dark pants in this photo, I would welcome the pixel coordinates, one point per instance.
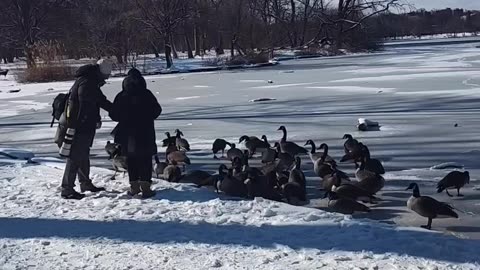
(139, 168)
(79, 161)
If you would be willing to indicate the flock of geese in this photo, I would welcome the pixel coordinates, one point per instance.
(281, 178)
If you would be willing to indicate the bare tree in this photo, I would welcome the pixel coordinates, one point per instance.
(26, 18)
(163, 16)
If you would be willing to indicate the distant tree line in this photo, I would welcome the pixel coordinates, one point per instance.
(422, 22)
(125, 28)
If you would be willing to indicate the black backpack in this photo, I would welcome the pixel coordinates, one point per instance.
(58, 106)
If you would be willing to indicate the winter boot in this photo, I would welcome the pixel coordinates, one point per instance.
(147, 192)
(134, 188)
(88, 186)
(71, 194)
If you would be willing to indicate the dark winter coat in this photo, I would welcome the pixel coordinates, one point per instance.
(85, 101)
(135, 109)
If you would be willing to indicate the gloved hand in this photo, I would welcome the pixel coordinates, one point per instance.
(99, 125)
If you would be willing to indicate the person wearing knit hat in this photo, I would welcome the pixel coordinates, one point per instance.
(105, 67)
(82, 119)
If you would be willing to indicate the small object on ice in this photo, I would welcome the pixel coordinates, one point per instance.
(269, 213)
(158, 93)
(153, 81)
(269, 81)
(379, 92)
(456, 125)
(288, 71)
(216, 264)
(367, 125)
(447, 165)
(50, 89)
(14, 90)
(262, 99)
(45, 243)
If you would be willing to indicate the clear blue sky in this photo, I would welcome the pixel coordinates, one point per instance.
(439, 4)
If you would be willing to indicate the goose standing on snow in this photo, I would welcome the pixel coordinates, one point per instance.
(168, 140)
(219, 145)
(321, 167)
(182, 144)
(265, 140)
(428, 207)
(371, 164)
(290, 147)
(369, 181)
(119, 162)
(297, 175)
(234, 152)
(253, 144)
(455, 180)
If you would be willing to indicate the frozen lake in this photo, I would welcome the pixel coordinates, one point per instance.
(417, 94)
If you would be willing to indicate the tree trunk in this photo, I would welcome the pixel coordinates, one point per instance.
(189, 47)
(232, 46)
(30, 57)
(155, 49)
(174, 49)
(197, 40)
(292, 23)
(119, 57)
(204, 44)
(168, 53)
(219, 50)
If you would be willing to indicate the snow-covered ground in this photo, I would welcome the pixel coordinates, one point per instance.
(417, 95)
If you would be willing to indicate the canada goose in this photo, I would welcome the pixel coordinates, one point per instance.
(331, 180)
(269, 156)
(455, 180)
(231, 185)
(265, 140)
(172, 173)
(253, 144)
(159, 166)
(290, 147)
(258, 186)
(316, 155)
(350, 144)
(172, 147)
(362, 173)
(246, 165)
(119, 162)
(212, 180)
(293, 190)
(344, 205)
(356, 155)
(168, 140)
(353, 192)
(297, 175)
(219, 145)
(321, 167)
(285, 160)
(371, 164)
(196, 177)
(110, 148)
(179, 157)
(182, 144)
(428, 207)
(4, 72)
(372, 183)
(234, 152)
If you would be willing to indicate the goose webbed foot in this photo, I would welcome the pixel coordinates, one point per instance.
(426, 227)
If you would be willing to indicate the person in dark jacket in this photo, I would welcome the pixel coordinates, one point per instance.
(135, 109)
(83, 118)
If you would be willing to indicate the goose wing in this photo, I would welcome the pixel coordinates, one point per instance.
(375, 166)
